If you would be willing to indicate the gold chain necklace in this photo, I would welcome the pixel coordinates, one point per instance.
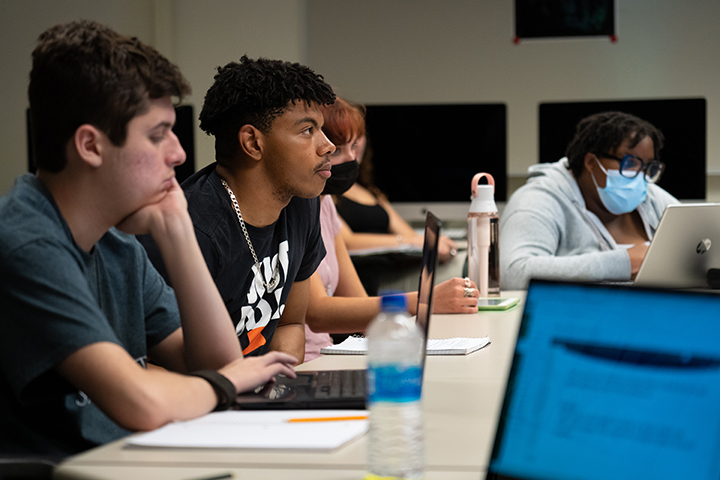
(276, 273)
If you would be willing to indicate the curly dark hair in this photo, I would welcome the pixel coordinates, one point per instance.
(84, 72)
(604, 132)
(255, 92)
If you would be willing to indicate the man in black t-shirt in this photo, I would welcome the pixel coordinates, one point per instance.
(256, 211)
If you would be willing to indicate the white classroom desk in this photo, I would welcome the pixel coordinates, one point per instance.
(462, 396)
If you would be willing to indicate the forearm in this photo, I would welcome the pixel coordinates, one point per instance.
(535, 243)
(341, 314)
(290, 338)
(209, 337)
(595, 266)
(167, 397)
(411, 299)
(135, 398)
(359, 241)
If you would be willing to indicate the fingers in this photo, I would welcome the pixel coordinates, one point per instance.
(280, 362)
(281, 369)
(283, 357)
(449, 242)
(249, 372)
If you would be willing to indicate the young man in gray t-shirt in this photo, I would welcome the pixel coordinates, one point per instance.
(83, 310)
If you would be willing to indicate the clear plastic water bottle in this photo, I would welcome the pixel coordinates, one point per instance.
(483, 237)
(395, 350)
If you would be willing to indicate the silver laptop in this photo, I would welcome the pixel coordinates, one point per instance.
(611, 382)
(685, 246)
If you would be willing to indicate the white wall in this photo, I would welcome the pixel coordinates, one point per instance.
(212, 33)
(376, 51)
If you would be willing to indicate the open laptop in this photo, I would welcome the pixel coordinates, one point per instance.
(344, 389)
(612, 382)
(685, 246)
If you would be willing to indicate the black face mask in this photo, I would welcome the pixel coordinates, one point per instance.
(343, 177)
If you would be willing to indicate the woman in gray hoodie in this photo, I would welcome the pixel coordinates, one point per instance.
(590, 215)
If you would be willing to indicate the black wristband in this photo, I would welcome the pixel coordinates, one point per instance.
(223, 387)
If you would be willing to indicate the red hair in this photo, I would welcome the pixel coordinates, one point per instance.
(343, 121)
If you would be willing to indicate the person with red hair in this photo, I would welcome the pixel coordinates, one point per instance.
(338, 301)
(369, 219)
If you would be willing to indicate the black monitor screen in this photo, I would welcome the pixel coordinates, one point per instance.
(573, 18)
(429, 153)
(681, 121)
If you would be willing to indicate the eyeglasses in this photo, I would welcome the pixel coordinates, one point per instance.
(631, 166)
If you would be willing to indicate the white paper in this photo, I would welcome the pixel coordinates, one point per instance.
(258, 430)
(435, 346)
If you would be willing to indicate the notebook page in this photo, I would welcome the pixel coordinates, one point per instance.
(258, 430)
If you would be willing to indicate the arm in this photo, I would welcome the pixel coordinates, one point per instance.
(529, 243)
(400, 232)
(449, 297)
(205, 320)
(140, 399)
(637, 255)
(350, 309)
(399, 226)
(289, 335)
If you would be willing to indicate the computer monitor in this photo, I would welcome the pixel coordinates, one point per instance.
(424, 156)
(683, 122)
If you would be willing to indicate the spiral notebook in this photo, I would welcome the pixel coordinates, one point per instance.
(435, 346)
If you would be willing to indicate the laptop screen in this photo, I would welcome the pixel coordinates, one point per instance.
(612, 382)
(427, 273)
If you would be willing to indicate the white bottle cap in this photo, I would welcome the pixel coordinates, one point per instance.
(483, 196)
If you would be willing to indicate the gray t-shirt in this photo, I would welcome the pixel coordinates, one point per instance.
(55, 299)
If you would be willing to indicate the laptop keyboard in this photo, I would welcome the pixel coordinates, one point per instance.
(340, 384)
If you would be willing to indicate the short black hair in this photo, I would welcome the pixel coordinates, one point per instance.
(84, 72)
(604, 132)
(255, 92)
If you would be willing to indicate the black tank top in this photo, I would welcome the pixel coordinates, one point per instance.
(363, 218)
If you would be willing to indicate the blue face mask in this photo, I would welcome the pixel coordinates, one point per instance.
(621, 194)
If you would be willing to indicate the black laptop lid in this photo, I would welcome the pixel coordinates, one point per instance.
(612, 382)
(427, 273)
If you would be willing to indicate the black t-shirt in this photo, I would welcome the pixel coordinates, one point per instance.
(294, 240)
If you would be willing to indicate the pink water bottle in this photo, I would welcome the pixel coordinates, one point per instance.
(483, 248)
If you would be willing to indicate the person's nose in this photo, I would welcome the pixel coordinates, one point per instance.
(326, 147)
(176, 155)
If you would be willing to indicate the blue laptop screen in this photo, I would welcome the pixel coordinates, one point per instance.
(612, 382)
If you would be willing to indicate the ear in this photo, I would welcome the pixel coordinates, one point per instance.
(252, 141)
(89, 143)
(590, 162)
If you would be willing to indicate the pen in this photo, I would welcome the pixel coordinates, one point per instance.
(327, 419)
(218, 477)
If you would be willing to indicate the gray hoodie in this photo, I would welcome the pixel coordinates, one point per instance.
(546, 231)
